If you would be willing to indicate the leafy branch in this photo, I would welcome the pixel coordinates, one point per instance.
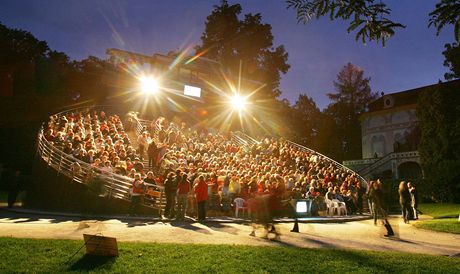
(446, 12)
(368, 18)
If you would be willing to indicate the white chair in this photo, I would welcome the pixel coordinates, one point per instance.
(240, 204)
(331, 206)
(340, 206)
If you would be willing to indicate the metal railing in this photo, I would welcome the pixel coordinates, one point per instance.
(335, 163)
(246, 138)
(110, 185)
(394, 155)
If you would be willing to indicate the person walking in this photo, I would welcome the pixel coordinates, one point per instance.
(377, 205)
(404, 201)
(201, 191)
(414, 199)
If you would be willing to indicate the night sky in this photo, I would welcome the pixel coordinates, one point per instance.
(317, 51)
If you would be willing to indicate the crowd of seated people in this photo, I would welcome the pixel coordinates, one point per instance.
(231, 171)
(97, 139)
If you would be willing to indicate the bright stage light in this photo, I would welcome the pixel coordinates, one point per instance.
(149, 85)
(238, 102)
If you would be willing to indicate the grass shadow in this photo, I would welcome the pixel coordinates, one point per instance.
(91, 262)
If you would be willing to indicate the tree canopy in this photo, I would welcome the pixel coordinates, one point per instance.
(371, 21)
(368, 18)
(350, 100)
(438, 110)
(244, 46)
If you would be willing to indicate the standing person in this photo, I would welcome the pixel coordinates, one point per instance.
(152, 153)
(404, 201)
(136, 195)
(201, 191)
(14, 187)
(171, 192)
(414, 199)
(183, 190)
(376, 198)
(143, 142)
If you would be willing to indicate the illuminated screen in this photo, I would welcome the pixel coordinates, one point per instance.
(301, 207)
(192, 91)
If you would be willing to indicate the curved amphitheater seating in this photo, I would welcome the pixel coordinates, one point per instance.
(118, 186)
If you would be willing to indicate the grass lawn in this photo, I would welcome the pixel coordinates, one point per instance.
(445, 217)
(440, 210)
(450, 225)
(51, 256)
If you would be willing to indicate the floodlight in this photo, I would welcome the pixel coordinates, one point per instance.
(238, 102)
(149, 85)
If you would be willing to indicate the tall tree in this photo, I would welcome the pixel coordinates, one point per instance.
(353, 89)
(306, 119)
(19, 50)
(244, 46)
(352, 96)
(438, 110)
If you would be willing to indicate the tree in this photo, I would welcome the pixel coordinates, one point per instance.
(452, 60)
(348, 103)
(446, 12)
(92, 78)
(244, 46)
(438, 110)
(367, 17)
(19, 50)
(370, 19)
(352, 89)
(306, 117)
(52, 73)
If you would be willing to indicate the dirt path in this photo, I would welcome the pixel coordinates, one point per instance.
(351, 235)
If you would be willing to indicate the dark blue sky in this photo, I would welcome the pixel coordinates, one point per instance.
(317, 51)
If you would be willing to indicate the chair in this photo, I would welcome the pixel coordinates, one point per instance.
(240, 204)
(341, 206)
(331, 206)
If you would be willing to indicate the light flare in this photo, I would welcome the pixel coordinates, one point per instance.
(149, 85)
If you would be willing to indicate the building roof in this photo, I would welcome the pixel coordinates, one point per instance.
(407, 97)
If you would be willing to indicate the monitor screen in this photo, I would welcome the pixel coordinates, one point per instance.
(192, 91)
(301, 207)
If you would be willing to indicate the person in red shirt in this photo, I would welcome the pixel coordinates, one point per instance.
(201, 191)
(138, 189)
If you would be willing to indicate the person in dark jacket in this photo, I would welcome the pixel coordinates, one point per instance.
(152, 153)
(377, 204)
(404, 201)
(171, 183)
(14, 186)
(414, 199)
